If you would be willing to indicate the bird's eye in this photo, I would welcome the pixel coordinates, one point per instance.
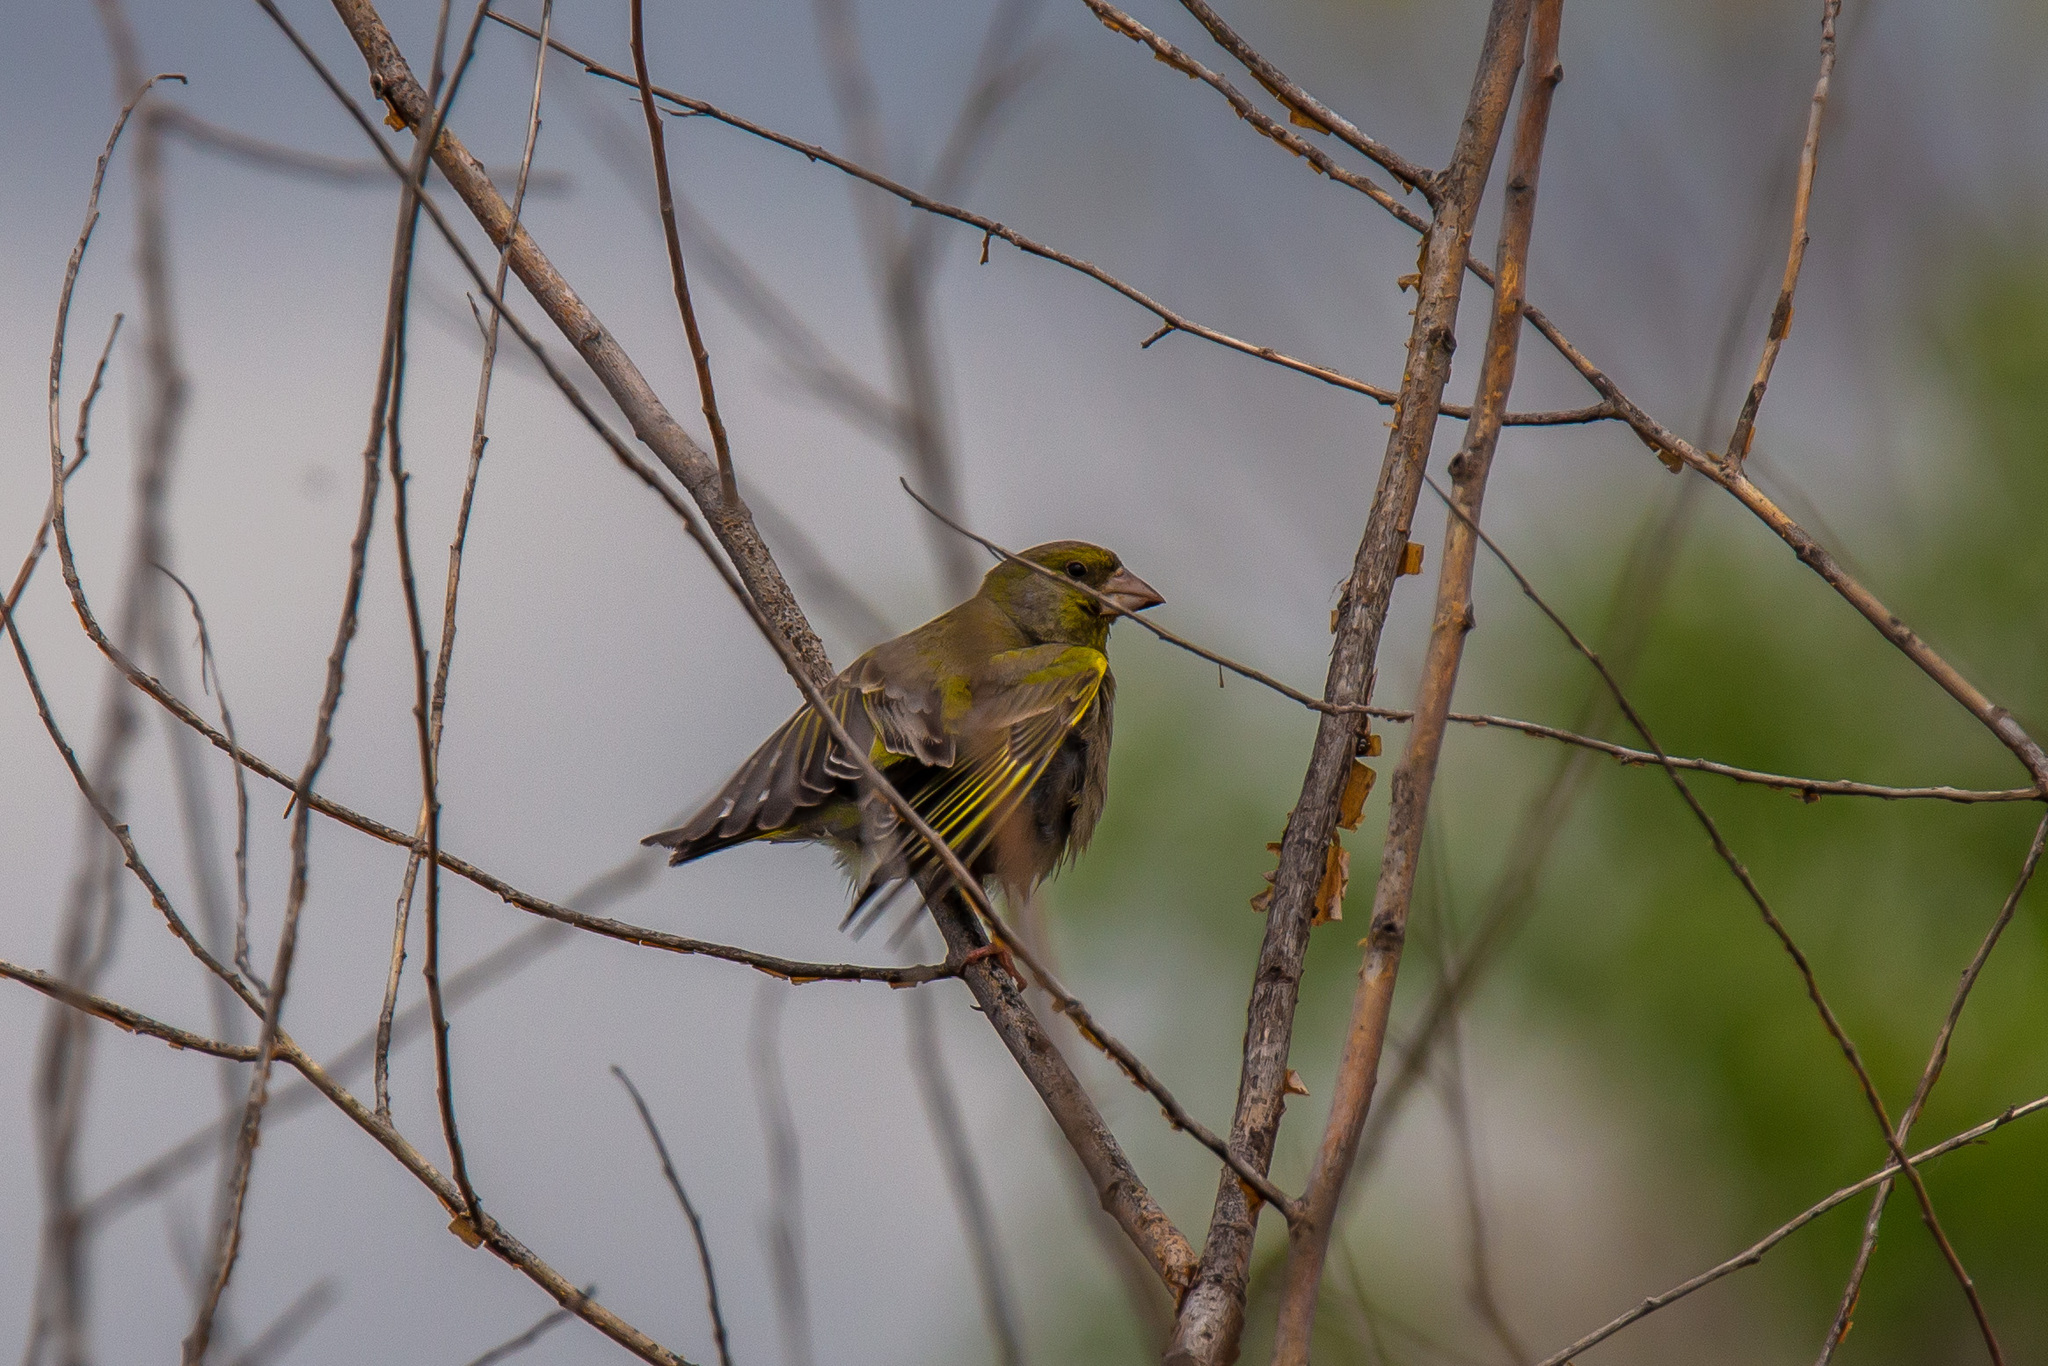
(1076, 570)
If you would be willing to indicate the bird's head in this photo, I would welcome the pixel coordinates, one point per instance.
(1056, 607)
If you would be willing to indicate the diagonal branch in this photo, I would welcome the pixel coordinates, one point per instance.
(1414, 777)
(1936, 1060)
(1802, 197)
(1116, 21)
(1754, 1253)
(1784, 938)
(728, 492)
(1305, 110)
(675, 1183)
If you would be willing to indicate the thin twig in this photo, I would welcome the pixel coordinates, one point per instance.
(291, 1324)
(1929, 1075)
(728, 491)
(1795, 256)
(423, 727)
(280, 159)
(85, 407)
(444, 657)
(1754, 1253)
(675, 1183)
(785, 1175)
(519, 1342)
(131, 1021)
(1809, 789)
(1117, 21)
(1305, 110)
(1784, 938)
(209, 668)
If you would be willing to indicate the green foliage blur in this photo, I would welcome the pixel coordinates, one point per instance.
(1641, 963)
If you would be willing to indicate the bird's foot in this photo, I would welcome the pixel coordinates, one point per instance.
(998, 952)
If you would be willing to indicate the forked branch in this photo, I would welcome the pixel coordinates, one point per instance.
(1414, 777)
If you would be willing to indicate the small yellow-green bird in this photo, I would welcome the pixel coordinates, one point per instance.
(993, 720)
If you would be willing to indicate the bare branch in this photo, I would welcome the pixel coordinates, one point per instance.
(1784, 938)
(1795, 256)
(728, 491)
(519, 1342)
(1212, 1314)
(1754, 1253)
(1119, 22)
(1305, 110)
(209, 667)
(444, 657)
(1808, 789)
(276, 157)
(675, 1183)
(1929, 1075)
(1415, 776)
(133, 1021)
(785, 1176)
(384, 405)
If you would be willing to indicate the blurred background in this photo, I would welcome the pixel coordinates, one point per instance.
(1636, 1086)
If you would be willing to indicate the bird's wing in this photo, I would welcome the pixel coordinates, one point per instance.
(906, 705)
(1024, 707)
(800, 766)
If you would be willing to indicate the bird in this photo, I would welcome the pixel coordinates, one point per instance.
(992, 719)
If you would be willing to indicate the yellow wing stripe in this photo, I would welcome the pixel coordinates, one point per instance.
(982, 795)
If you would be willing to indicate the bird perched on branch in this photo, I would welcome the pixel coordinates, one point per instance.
(992, 720)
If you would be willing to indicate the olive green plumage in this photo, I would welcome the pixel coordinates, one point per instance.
(993, 720)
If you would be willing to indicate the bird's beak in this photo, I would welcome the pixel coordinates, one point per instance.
(1130, 592)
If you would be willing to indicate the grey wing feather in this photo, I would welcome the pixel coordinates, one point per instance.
(801, 766)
